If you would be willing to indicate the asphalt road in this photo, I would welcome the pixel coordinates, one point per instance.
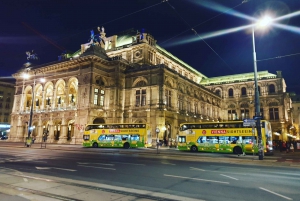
(61, 172)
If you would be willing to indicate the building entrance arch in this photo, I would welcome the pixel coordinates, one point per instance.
(99, 121)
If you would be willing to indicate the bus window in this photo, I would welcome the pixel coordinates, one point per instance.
(124, 137)
(212, 140)
(101, 138)
(200, 140)
(248, 139)
(117, 138)
(109, 137)
(135, 138)
(181, 139)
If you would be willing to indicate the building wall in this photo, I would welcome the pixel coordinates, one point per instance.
(275, 103)
(7, 91)
(134, 81)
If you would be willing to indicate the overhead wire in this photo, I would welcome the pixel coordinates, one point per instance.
(162, 1)
(279, 57)
(196, 33)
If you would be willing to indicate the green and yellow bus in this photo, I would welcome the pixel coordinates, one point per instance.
(224, 137)
(116, 135)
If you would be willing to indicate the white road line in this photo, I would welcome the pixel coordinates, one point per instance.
(221, 182)
(167, 163)
(96, 164)
(130, 163)
(228, 176)
(97, 167)
(276, 193)
(37, 178)
(192, 168)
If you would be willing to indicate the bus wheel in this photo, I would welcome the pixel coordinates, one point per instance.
(95, 144)
(126, 145)
(237, 150)
(194, 148)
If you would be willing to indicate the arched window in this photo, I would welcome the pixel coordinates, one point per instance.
(244, 91)
(230, 93)
(218, 92)
(271, 88)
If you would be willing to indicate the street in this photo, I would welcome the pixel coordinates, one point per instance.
(62, 172)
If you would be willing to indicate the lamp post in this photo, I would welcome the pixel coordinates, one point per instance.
(264, 22)
(31, 111)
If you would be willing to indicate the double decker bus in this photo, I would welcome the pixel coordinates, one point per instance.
(117, 135)
(224, 137)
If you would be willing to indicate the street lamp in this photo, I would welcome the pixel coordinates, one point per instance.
(262, 23)
(31, 108)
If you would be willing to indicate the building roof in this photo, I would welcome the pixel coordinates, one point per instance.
(237, 78)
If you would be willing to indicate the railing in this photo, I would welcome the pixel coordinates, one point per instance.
(48, 109)
(49, 140)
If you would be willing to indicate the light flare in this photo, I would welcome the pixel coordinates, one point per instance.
(217, 7)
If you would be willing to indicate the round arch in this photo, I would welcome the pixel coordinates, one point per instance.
(99, 120)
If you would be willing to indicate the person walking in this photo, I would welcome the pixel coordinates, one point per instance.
(288, 145)
(292, 148)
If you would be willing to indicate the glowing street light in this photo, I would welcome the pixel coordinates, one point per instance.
(260, 24)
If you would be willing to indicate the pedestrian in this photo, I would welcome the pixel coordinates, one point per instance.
(280, 146)
(292, 147)
(283, 146)
(288, 145)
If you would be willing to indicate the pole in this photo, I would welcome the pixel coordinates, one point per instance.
(157, 130)
(31, 110)
(257, 102)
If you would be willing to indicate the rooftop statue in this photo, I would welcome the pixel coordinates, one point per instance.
(31, 55)
(97, 39)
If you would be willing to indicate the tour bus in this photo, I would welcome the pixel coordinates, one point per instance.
(224, 137)
(117, 135)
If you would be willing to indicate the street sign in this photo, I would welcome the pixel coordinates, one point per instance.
(249, 122)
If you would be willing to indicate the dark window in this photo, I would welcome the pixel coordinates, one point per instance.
(244, 91)
(271, 88)
(274, 114)
(230, 92)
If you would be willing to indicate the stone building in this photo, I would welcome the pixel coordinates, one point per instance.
(118, 79)
(7, 91)
(295, 127)
(238, 95)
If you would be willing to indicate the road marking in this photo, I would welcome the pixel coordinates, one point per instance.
(97, 167)
(96, 164)
(37, 178)
(228, 176)
(234, 167)
(45, 168)
(221, 182)
(192, 168)
(276, 193)
(166, 163)
(129, 163)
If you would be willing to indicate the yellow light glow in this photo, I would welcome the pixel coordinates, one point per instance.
(25, 76)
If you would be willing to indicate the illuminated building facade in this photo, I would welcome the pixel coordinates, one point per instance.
(125, 78)
(238, 95)
(7, 91)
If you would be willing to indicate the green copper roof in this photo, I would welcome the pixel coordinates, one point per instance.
(237, 77)
(165, 52)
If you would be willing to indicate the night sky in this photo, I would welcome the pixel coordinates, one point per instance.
(50, 27)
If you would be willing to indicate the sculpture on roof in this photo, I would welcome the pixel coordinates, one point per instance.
(97, 39)
(31, 55)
